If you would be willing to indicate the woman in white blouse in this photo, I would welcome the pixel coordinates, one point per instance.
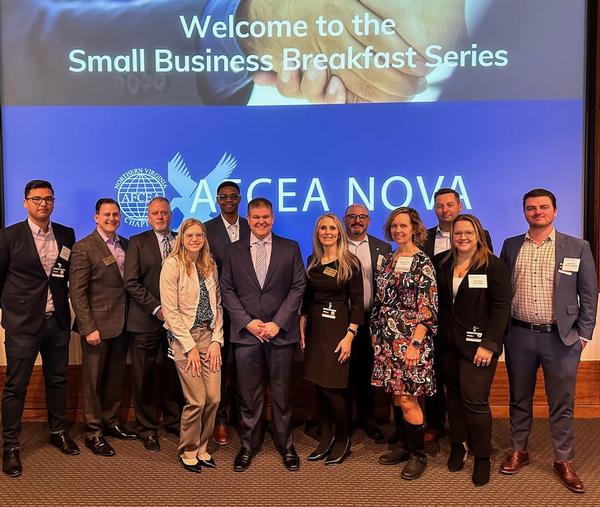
(191, 304)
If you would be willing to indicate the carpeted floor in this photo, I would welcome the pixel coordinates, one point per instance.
(138, 477)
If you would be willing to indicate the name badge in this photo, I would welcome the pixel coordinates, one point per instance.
(380, 261)
(58, 272)
(330, 272)
(403, 264)
(329, 312)
(478, 282)
(474, 336)
(109, 260)
(65, 253)
(570, 264)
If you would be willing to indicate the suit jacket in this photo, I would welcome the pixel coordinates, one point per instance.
(278, 301)
(143, 262)
(24, 284)
(377, 248)
(218, 239)
(97, 289)
(575, 295)
(429, 246)
(488, 309)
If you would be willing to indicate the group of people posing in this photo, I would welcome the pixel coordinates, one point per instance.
(426, 322)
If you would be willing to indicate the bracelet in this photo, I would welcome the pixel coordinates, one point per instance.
(351, 331)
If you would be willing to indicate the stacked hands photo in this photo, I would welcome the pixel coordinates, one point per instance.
(426, 321)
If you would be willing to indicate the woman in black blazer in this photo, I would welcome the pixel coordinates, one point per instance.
(474, 308)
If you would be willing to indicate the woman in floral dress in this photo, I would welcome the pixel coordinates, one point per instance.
(403, 322)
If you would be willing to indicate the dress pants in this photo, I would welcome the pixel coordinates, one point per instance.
(103, 369)
(52, 342)
(525, 352)
(435, 406)
(361, 370)
(467, 400)
(147, 349)
(202, 394)
(255, 364)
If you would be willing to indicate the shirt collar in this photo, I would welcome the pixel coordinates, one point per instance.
(106, 239)
(267, 240)
(37, 230)
(160, 236)
(551, 237)
(439, 232)
(227, 224)
(357, 243)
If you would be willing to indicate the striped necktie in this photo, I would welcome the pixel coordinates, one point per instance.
(261, 262)
(166, 247)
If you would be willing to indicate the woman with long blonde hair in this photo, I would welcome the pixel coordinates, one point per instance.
(332, 311)
(191, 304)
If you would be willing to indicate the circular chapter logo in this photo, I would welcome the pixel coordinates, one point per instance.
(135, 189)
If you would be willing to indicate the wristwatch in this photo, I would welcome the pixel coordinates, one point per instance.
(416, 344)
(351, 331)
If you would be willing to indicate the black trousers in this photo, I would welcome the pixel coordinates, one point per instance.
(52, 342)
(257, 364)
(468, 392)
(102, 372)
(360, 389)
(435, 406)
(150, 395)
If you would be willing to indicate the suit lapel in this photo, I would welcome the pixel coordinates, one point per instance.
(155, 246)
(33, 248)
(247, 258)
(273, 261)
(514, 253)
(106, 252)
(559, 255)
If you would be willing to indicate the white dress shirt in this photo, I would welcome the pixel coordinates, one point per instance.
(363, 252)
(233, 230)
(47, 249)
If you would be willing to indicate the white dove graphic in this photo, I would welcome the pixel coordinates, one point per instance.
(179, 176)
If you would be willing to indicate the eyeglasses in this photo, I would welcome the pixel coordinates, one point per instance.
(38, 200)
(466, 234)
(224, 197)
(352, 216)
(191, 235)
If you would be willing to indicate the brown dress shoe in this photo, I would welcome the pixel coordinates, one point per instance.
(564, 469)
(221, 434)
(514, 461)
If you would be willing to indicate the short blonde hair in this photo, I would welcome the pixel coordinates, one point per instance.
(419, 231)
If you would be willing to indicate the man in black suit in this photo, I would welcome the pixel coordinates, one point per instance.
(221, 231)
(262, 285)
(370, 251)
(447, 208)
(34, 275)
(143, 262)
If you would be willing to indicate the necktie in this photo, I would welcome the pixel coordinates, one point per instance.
(261, 262)
(166, 247)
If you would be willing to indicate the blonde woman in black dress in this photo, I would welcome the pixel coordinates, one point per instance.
(332, 311)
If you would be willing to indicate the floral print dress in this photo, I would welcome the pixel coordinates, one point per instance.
(402, 301)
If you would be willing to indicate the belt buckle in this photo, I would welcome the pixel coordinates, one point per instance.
(541, 328)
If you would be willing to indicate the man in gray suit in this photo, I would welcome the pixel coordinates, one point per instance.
(262, 285)
(553, 317)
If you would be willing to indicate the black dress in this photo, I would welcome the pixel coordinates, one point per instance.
(322, 334)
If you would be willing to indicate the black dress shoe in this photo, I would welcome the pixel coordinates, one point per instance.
(195, 468)
(99, 446)
(120, 432)
(317, 454)
(372, 430)
(291, 461)
(11, 462)
(208, 463)
(151, 442)
(243, 459)
(65, 443)
(394, 457)
(338, 454)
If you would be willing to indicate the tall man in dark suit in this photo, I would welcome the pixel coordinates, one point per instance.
(553, 317)
(370, 251)
(100, 304)
(447, 207)
(221, 231)
(34, 275)
(143, 262)
(262, 286)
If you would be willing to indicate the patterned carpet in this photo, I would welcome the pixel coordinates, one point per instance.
(138, 477)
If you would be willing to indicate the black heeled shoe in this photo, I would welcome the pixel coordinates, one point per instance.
(334, 459)
(195, 468)
(316, 456)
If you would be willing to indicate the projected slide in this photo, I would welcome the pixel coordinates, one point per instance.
(313, 104)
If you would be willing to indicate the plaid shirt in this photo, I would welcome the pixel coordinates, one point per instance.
(533, 281)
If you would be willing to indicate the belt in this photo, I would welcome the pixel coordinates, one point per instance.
(535, 328)
(49, 315)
